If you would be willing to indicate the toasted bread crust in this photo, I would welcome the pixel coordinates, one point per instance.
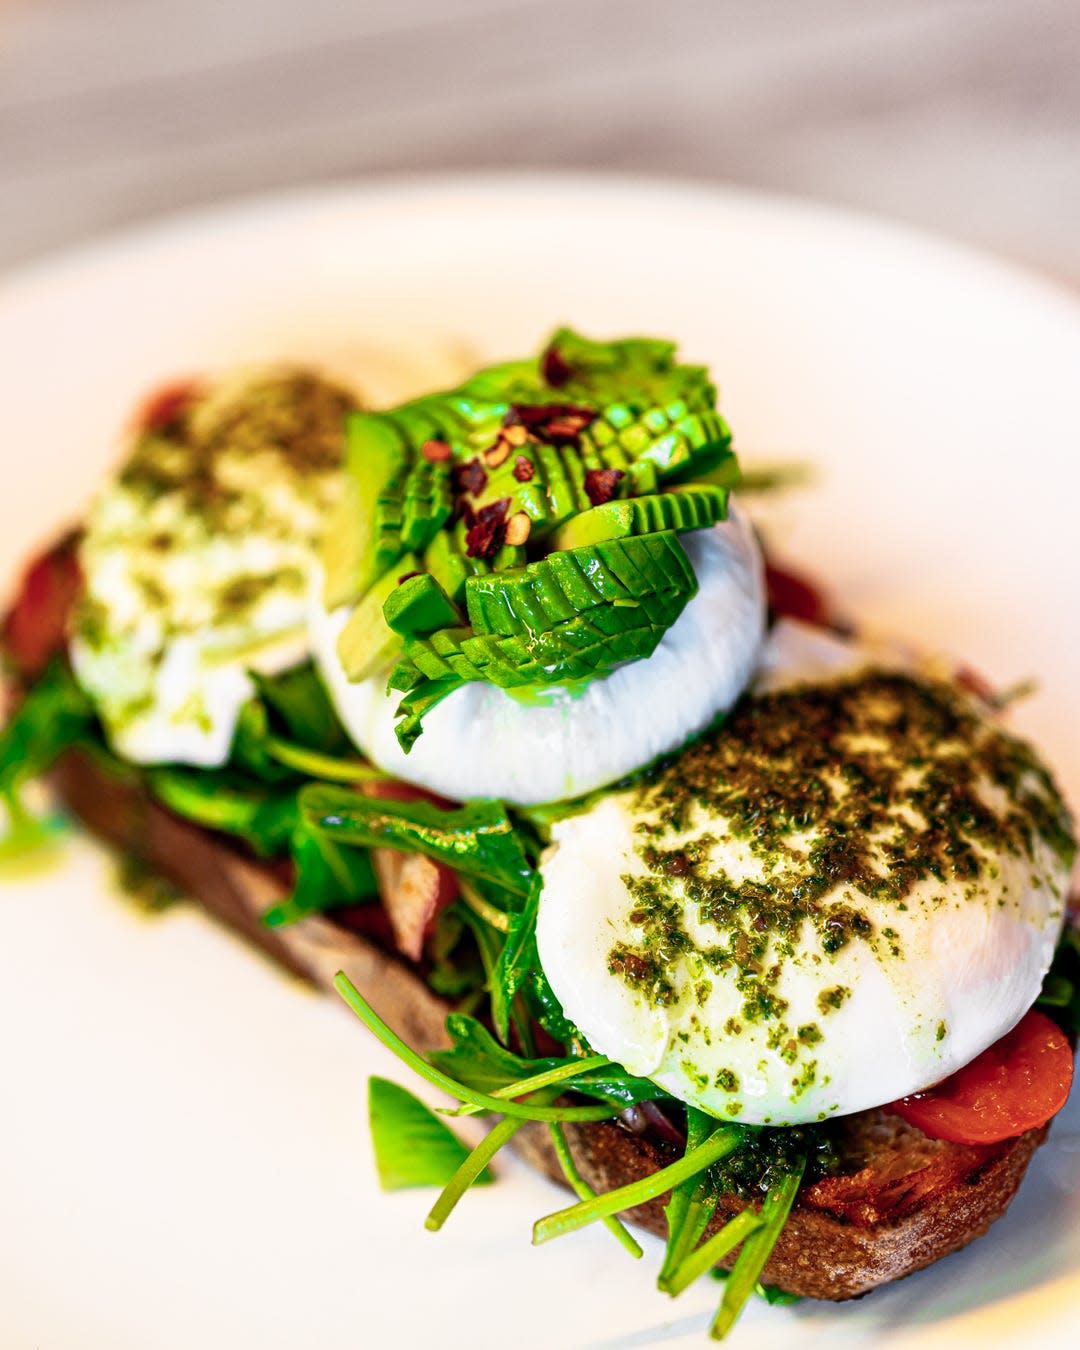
(905, 1202)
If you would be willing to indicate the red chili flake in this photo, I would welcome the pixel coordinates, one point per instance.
(470, 477)
(485, 537)
(435, 451)
(554, 421)
(523, 468)
(555, 368)
(600, 484)
(165, 406)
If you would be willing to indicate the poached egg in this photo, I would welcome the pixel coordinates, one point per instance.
(197, 558)
(482, 741)
(837, 899)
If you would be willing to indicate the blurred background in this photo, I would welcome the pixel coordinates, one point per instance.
(960, 115)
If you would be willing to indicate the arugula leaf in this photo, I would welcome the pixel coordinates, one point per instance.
(326, 876)
(413, 1147)
(54, 715)
(523, 1110)
(477, 839)
(300, 708)
(267, 818)
(480, 1062)
(223, 799)
(1060, 996)
(545, 1006)
(775, 1297)
(488, 942)
(250, 750)
(517, 958)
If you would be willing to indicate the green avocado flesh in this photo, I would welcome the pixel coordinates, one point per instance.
(419, 605)
(367, 642)
(540, 502)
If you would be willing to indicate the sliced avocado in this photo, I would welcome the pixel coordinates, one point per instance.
(508, 557)
(427, 503)
(561, 498)
(447, 566)
(367, 643)
(419, 605)
(643, 477)
(447, 561)
(588, 644)
(540, 596)
(613, 520)
(374, 458)
(695, 445)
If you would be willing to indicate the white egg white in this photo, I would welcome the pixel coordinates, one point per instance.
(937, 981)
(481, 741)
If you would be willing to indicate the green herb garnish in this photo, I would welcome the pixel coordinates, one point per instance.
(477, 839)
(413, 1147)
(55, 715)
(482, 1100)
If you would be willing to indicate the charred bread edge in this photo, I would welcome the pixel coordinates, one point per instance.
(820, 1254)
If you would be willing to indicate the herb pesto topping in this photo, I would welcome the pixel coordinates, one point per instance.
(822, 884)
(846, 792)
(197, 556)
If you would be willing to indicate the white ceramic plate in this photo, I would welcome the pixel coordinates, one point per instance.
(183, 1149)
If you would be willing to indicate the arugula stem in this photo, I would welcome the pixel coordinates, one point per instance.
(329, 768)
(756, 1251)
(709, 1253)
(692, 1203)
(637, 1192)
(469, 1170)
(584, 1191)
(519, 1110)
(560, 1074)
(484, 909)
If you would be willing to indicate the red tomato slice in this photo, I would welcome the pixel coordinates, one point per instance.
(1020, 1082)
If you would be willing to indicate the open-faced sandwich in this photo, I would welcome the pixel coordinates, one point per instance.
(487, 710)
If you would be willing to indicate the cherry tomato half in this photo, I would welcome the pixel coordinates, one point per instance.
(1020, 1082)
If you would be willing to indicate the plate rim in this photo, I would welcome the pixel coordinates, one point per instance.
(380, 190)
